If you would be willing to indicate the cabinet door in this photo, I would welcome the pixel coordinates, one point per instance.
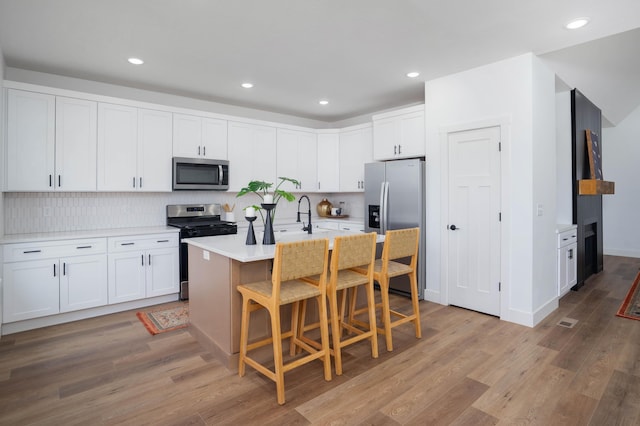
(30, 290)
(76, 144)
(83, 282)
(385, 138)
(287, 153)
(30, 141)
(214, 139)
(307, 162)
(126, 275)
(328, 162)
(187, 136)
(252, 154)
(117, 147)
(154, 150)
(163, 276)
(412, 135)
(355, 150)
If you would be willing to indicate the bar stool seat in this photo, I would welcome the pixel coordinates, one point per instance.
(299, 273)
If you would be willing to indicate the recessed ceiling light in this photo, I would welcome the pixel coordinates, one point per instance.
(247, 85)
(577, 23)
(135, 61)
(323, 102)
(413, 74)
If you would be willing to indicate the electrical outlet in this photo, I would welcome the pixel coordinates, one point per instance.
(540, 209)
(205, 255)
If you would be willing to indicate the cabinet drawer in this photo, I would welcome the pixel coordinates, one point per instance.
(567, 237)
(142, 242)
(53, 249)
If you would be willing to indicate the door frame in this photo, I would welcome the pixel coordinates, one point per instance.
(504, 122)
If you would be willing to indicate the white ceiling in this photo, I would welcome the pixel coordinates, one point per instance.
(355, 53)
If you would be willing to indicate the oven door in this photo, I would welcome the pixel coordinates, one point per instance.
(200, 174)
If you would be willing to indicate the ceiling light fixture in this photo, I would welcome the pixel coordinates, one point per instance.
(247, 85)
(413, 74)
(135, 61)
(577, 23)
(323, 102)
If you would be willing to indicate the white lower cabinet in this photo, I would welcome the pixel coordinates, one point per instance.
(48, 278)
(567, 260)
(143, 266)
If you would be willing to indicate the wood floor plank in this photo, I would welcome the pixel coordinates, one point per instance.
(468, 369)
(620, 404)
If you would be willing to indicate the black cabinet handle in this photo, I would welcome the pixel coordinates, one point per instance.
(64, 268)
(142, 259)
(31, 251)
(127, 244)
(149, 260)
(50, 181)
(54, 269)
(453, 227)
(140, 186)
(83, 247)
(162, 241)
(59, 181)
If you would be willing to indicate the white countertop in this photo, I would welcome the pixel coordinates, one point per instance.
(234, 247)
(98, 233)
(560, 228)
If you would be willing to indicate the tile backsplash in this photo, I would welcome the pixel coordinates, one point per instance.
(80, 211)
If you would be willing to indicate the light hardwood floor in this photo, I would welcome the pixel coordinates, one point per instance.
(468, 369)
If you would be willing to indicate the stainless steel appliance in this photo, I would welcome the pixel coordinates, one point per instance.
(195, 220)
(395, 199)
(200, 174)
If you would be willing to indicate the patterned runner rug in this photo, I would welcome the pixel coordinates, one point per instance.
(161, 321)
(631, 306)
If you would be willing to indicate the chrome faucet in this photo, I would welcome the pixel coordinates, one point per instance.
(307, 228)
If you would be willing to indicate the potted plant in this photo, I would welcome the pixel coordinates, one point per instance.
(262, 189)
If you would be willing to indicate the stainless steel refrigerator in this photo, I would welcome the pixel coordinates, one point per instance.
(395, 199)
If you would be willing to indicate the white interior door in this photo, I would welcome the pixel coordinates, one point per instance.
(474, 220)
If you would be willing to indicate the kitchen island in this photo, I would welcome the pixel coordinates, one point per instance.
(217, 265)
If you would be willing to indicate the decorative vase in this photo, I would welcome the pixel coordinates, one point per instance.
(268, 237)
(324, 208)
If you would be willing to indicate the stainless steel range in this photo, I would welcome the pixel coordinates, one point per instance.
(196, 220)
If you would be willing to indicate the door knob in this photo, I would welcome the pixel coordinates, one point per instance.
(453, 227)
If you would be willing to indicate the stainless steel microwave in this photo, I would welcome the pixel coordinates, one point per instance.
(200, 174)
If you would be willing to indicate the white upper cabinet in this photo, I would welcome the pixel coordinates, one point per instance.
(30, 141)
(297, 159)
(252, 154)
(199, 137)
(355, 150)
(328, 162)
(134, 149)
(117, 147)
(399, 134)
(76, 144)
(51, 143)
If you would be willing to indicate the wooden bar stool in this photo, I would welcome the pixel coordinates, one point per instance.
(348, 253)
(398, 244)
(294, 265)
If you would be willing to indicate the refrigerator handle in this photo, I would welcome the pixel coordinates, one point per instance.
(384, 207)
(381, 218)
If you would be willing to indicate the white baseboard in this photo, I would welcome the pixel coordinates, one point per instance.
(31, 324)
(622, 252)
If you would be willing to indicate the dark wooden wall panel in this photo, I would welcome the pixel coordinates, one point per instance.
(587, 209)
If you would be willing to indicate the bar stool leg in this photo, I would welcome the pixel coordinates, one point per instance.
(414, 301)
(373, 327)
(277, 353)
(386, 314)
(324, 335)
(244, 334)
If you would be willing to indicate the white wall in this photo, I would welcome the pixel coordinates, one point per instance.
(545, 289)
(620, 158)
(518, 94)
(564, 194)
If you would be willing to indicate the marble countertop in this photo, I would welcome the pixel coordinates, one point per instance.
(234, 247)
(97, 233)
